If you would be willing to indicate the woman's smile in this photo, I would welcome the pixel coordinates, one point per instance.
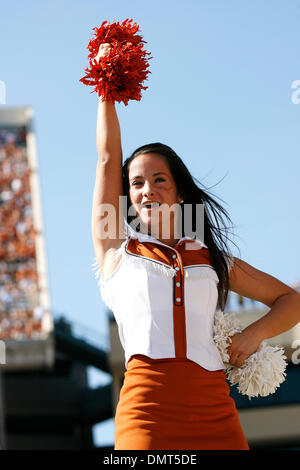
(150, 206)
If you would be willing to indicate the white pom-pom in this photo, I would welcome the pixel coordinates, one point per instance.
(262, 372)
(226, 325)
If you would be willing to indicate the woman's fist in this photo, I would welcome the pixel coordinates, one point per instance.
(103, 49)
(242, 345)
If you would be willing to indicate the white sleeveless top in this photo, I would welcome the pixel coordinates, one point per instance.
(164, 299)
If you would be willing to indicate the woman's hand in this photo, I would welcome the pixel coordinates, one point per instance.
(243, 345)
(103, 49)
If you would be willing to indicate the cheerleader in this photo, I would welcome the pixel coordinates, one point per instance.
(163, 287)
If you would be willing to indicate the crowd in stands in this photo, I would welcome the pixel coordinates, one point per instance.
(20, 314)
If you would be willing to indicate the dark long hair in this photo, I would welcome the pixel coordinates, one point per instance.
(214, 236)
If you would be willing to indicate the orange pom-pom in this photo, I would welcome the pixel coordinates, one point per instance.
(119, 74)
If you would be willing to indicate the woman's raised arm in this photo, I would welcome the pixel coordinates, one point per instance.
(108, 183)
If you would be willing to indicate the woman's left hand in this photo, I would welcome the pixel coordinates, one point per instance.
(243, 345)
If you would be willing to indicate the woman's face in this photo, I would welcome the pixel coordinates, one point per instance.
(150, 179)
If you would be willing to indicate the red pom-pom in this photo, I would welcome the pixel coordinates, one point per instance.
(119, 74)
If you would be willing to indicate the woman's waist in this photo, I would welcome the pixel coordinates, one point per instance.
(150, 360)
(169, 363)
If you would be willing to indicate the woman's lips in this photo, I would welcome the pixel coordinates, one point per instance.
(150, 208)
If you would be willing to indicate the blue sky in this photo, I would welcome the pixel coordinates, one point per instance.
(219, 93)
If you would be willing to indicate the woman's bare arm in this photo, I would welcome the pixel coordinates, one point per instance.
(284, 313)
(108, 183)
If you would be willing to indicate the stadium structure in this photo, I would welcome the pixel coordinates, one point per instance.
(45, 399)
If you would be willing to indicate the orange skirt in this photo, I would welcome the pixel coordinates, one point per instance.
(175, 404)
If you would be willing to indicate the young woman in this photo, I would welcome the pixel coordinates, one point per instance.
(163, 287)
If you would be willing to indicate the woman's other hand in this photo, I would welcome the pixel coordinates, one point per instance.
(243, 344)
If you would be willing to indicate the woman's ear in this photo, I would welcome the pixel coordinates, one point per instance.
(180, 198)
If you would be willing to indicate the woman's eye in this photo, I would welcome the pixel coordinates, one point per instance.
(139, 182)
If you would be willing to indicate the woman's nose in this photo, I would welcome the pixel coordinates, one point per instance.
(147, 189)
